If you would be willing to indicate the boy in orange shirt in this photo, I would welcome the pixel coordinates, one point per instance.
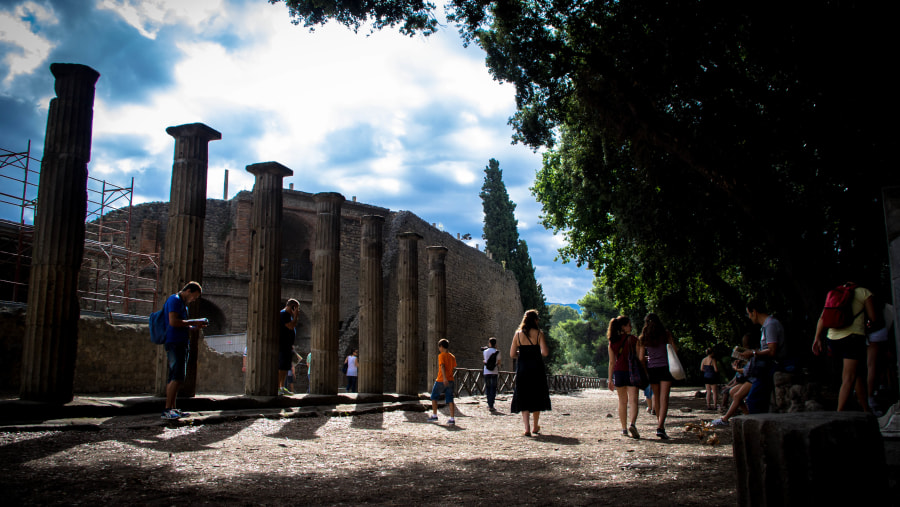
(444, 382)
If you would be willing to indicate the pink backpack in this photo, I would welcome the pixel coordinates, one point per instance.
(838, 312)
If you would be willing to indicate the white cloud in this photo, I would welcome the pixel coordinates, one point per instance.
(17, 30)
(149, 16)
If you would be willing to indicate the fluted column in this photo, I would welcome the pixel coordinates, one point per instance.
(408, 314)
(264, 301)
(51, 322)
(326, 294)
(371, 307)
(182, 260)
(437, 305)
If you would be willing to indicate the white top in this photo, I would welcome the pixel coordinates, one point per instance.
(487, 353)
(351, 366)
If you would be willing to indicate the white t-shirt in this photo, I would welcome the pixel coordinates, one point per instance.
(351, 366)
(487, 353)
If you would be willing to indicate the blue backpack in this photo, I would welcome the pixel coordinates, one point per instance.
(158, 327)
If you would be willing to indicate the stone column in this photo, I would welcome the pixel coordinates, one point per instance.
(51, 321)
(182, 260)
(371, 307)
(326, 294)
(437, 305)
(264, 301)
(408, 314)
(891, 199)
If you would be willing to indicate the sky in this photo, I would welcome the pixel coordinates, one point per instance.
(406, 123)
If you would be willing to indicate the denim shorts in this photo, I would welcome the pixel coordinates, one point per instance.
(448, 392)
(178, 358)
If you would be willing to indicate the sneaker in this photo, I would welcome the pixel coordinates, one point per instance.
(450, 421)
(661, 433)
(634, 432)
(285, 391)
(432, 417)
(170, 414)
(719, 422)
(180, 413)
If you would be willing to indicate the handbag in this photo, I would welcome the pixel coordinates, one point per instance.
(637, 375)
(675, 368)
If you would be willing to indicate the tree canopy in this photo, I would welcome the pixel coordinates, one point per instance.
(501, 235)
(698, 153)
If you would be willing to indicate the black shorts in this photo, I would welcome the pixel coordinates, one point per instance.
(621, 379)
(849, 347)
(659, 374)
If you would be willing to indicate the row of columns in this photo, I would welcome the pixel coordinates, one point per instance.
(49, 349)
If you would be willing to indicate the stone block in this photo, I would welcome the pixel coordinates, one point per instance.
(810, 458)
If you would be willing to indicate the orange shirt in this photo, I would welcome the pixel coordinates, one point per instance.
(448, 361)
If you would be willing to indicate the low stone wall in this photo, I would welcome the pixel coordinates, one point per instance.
(117, 359)
(794, 392)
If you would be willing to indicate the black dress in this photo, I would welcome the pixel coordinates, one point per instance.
(531, 393)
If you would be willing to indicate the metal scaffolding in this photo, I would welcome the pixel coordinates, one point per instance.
(114, 278)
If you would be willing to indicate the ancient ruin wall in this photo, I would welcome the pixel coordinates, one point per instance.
(117, 359)
(482, 297)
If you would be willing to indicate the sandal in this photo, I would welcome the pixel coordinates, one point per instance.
(526, 434)
(536, 430)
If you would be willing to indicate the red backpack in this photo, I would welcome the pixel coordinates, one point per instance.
(838, 312)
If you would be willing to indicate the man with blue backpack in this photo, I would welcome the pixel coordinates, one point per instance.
(178, 337)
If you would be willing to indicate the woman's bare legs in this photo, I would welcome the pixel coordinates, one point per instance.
(850, 380)
(624, 394)
(527, 423)
(632, 405)
(537, 427)
(664, 388)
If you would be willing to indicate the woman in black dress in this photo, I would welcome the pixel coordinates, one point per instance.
(531, 393)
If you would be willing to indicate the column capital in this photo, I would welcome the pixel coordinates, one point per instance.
(409, 235)
(74, 70)
(273, 168)
(436, 250)
(329, 197)
(194, 130)
(373, 219)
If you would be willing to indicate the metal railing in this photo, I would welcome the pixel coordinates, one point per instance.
(472, 382)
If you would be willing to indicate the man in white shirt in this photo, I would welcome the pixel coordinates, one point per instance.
(491, 355)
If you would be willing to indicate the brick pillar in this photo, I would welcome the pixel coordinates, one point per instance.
(182, 259)
(408, 314)
(51, 322)
(437, 305)
(264, 301)
(371, 307)
(326, 294)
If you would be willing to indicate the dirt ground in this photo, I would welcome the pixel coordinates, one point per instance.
(395, 457)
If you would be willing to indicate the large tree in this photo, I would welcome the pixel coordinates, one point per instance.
(501, 235)
(701, 152)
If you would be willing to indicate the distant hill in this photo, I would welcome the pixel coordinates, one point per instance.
(573, 306)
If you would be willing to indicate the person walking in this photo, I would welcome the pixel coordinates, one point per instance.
(652, 349)
(352, 362)
(849, 343)
(531, 395)
(289, 318)
(491, 371)
(710, 368)
(622, 347)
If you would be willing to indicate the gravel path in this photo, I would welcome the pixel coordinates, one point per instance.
(391, 458)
